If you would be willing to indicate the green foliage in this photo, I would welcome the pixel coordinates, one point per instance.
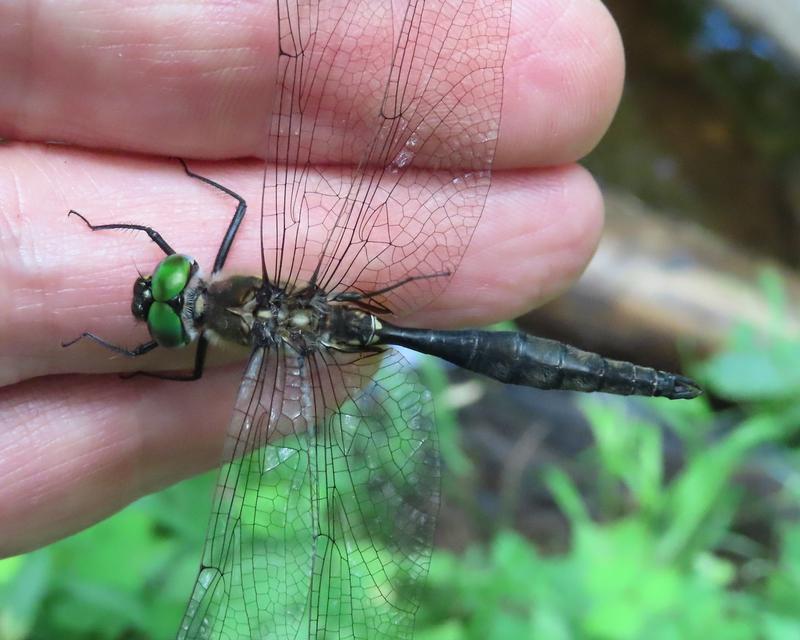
(663, 560)
(127, 577)
(656, 572)
(757, 366)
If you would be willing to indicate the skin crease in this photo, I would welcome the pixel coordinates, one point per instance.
(76, 448)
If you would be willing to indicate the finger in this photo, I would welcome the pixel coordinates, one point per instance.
(75, 449)
(195, 81)
(59, 279)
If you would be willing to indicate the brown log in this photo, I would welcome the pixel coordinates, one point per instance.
(656, 283)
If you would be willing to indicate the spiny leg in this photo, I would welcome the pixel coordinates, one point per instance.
(155, 236)
(196, 373)
(227, 240)
(233, 227)
(358, 297)
(137, 351)
(146, 347)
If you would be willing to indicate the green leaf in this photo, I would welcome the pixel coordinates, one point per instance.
(22, 593)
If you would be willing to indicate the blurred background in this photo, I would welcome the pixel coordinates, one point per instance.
(587, 517)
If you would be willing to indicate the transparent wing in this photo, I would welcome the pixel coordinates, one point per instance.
(383, 133)
(382, 136)
(320, 528)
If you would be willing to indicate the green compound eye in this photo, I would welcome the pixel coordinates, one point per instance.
(165, 326)
(170, 277)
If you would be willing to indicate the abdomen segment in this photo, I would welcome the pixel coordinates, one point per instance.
(518, 358)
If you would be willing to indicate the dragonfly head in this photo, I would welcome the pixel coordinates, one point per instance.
(160, 299)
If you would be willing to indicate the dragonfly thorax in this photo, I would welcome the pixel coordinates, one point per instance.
(292, 318)
(244, 310)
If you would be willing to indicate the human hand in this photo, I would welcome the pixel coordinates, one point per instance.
(75, 448)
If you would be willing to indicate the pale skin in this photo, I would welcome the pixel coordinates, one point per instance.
(187, 81)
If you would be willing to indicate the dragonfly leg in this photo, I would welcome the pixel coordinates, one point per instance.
(154, 235)
(355, 296)
(359, 296)
(140, 350)
(195, 374)
(233, 227)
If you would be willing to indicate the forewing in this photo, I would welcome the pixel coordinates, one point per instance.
(320, 528)
(405, 98)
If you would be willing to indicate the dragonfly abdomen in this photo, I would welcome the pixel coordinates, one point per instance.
(518, 358)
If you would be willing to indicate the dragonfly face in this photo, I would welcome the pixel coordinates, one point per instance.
(163, 299)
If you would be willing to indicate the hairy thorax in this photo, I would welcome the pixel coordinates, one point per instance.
(247, 311)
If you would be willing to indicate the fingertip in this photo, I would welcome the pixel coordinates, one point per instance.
(539, 230)
(563, 82)
(584, 216)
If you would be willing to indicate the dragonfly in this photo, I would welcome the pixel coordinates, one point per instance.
(324, 512)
